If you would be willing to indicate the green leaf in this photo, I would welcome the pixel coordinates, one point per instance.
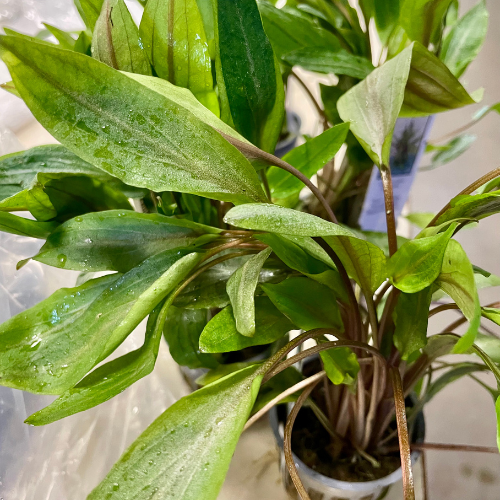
(248, 75)
(223, 370)
(423, 19)
(492, 314)
(288, 30)
(326, 60)
(174, 39)
(241, 290)
(308, 158)
(476, 206)
(431, 87)
(116, 240)
(364, 262)
(221, 335)
(128, 137)
(411, 320)
(50, 347)
(207, 14)
(14, 224)
(457, 280)
(116, 40)
(463, 43)
(451, 151)
(417, 264)
(307, 303)
(386, 16)
(108, 380)
(490, 345)
(11, 88)
(89, 10)
(341, 365)
(66, 41)
(205, 425)
(182, 332)
(330, 94)
(372, 106)
(281, 220)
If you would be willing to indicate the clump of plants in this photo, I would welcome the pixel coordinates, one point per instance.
(182, 115)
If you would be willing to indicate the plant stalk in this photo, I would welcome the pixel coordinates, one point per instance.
(385, 174)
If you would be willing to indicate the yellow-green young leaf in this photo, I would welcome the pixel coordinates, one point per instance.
(417, 264)
(249, 78)
(372, 106)
(411, 317)
(14, 224)
(431, 87)
(207, 14)
(187, 450)
(221, 335)
(89, 10)
(341, 365)
(490, 345)
(476, 206)
(108, 380)
(497, 408)
(308, 158)
(116, 240)
(50, 347)
(364, 262)
(457, 280)
(174, 38)
(492, 314)
(116, 40)
(128, 130)
(241, 290)
(307, 303)
(281, 220)
(463, 43)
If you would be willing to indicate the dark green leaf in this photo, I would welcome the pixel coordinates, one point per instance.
(463, 43)
(308, 158)
(116, 240)
(205, 425)
(341, 365)
(476, 206)
(307, 303)
(124, 128)
(330, 94)
(241, 291)
(386, 14)
(116, 40)
(221, 335)
(108, 380)
(248, 75)
(339, 62)
(13, 224)
(50, 347)
(411, 320)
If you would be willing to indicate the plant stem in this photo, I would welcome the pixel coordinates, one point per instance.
(425, 482)
(225, 246)
(452, 447)
(468, 190)
(292, 390)
(385, 174)
(441, 308)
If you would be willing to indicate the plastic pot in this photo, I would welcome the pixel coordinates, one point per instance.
(321, 487)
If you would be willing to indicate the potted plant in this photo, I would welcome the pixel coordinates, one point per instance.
(204, 185)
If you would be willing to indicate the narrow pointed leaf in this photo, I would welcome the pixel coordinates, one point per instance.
(89, 10)
(14, 224)
(477, 206)
(66, 41)
(241, 290)
(137, 135)
(205, 425)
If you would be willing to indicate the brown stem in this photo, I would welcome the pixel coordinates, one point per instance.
(225, 246)
(385, 174)
(468, 190)
(425, 482)
(404, 438)
(444, 307)
(451, 447)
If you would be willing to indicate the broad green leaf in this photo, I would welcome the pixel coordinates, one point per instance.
(386, 15)
(116, 40)
(341, 365)
(108, 380)
(128, 137)
(431, 87)
(241, 291)
(411, 320)
(308, 158)
(174, 39)
(463, 43)
(205, 425)
(89, 10)
(492, 314)
(417, 264)
(66, 41)
(326, 60)
(423, 19)
(364, 262)
(281, 220)
(248, 75)
(476, 206)
(50, 347)
(221, 335)
(451, 151)
(372, 106)
(457, 280)
(14, 224)
(116, 240)
(182, 332)
(288, 30)
(490, 345)
(307, 303)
